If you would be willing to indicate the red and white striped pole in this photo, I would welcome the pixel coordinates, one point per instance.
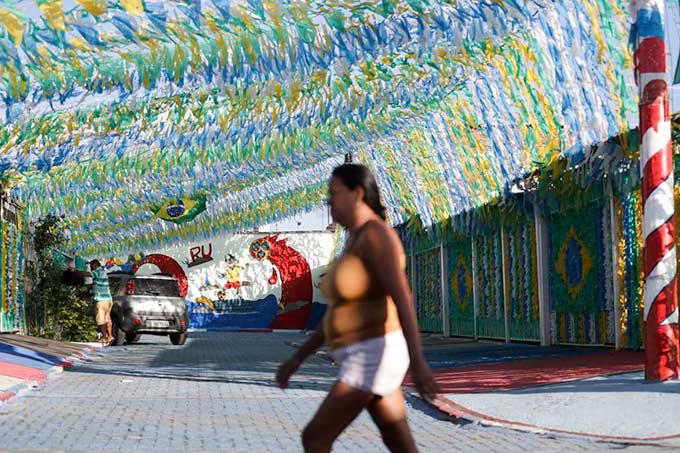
(662, 359)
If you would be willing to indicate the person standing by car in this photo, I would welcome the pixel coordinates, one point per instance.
(102, 300)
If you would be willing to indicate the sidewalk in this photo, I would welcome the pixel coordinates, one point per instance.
(586, 392)
(26, 362)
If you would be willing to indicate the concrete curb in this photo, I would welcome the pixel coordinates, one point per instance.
(464, 414)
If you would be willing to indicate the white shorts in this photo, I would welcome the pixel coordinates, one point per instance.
(377, 365)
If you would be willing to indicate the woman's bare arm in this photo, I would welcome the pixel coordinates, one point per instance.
(310, 346)
(290, 366)
(384, 255)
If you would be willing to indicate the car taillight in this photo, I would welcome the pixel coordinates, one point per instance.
(136, 321)
(130, 288)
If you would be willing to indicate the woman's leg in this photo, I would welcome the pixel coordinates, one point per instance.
(342, 405)
(389, 413)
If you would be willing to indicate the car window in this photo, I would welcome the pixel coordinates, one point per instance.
(115, 284)
(153, 287)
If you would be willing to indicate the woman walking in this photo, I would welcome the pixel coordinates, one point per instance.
(370, 323)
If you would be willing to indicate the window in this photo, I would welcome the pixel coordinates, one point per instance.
(115, 284)
(156, 287)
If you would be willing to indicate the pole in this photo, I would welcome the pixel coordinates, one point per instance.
(444, 289)
(475, 302)
(506, 302)
(542, 260)
(656, 169)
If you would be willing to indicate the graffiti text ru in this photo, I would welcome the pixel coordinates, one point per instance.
(199, 252)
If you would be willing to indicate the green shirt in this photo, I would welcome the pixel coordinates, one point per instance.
(100, 284)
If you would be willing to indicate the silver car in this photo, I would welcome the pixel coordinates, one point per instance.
(147, 304)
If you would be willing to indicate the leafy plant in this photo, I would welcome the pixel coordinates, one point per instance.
(53, 309)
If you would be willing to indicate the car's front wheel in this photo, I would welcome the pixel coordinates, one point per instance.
(178, 338)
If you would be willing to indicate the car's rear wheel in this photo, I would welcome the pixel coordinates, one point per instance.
(118, 335)
(132, 337)
(178, 338)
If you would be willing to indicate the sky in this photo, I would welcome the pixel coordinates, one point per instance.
(315, 220)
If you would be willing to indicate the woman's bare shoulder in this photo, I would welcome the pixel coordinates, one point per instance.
(379, 234)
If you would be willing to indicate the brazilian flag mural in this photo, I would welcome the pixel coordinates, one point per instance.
(460, 287)
(181, 210)
(580, 276)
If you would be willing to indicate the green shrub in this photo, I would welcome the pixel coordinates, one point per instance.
(54, 310)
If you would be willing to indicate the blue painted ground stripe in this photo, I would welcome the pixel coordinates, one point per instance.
(23, 360)
(29, 353)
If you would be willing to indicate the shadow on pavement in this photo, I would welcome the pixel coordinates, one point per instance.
(209, 357)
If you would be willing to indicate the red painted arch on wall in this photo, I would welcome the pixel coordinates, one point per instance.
(167, 265)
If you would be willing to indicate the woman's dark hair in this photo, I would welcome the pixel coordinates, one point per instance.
(355, 175)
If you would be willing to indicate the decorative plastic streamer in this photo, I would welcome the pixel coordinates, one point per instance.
(113, 107)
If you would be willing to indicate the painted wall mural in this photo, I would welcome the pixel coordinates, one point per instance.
(296, 279)
(581, 293)
(246, 281)
(630, 270)
(522, 285)
(490, 313)
(460, 287)
(427, 290)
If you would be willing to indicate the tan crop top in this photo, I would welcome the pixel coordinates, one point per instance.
(358, 306)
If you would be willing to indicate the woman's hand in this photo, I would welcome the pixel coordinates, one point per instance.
(286, 370)
(424, 380)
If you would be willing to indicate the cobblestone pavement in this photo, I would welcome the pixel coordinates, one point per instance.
(216, 394)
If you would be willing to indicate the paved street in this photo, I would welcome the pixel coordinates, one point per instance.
(215, 394)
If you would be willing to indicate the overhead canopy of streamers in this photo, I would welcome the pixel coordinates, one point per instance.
(113, 107)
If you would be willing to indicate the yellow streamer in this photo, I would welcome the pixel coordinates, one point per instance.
(134, 7)
(13, 24)
(54, 13)
(95, 7)
(621, 274)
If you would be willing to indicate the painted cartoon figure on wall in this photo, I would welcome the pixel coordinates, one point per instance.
(296, 280)
(203, 297)
(232, 273)
(206, 296)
